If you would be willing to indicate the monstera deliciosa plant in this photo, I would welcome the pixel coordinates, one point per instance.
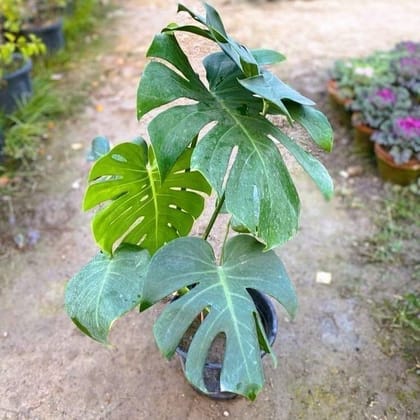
(221, 139)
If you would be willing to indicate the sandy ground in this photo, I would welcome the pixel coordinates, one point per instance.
(330, 362)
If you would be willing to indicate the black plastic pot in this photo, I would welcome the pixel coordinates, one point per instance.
(211, 372)
(16, 87)
(51, 35)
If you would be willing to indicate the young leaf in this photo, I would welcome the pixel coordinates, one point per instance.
(223, 290)
(100, 146)
(139, 208)
(105, 289)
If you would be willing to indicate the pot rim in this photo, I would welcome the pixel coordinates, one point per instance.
(25, 68)
(385, 156)
(54, 24)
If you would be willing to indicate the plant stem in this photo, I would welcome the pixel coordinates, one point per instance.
(214, 217)
(224, 242)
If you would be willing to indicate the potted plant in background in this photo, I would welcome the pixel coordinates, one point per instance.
(44, 18)
(397, 148)
(223, 141)
(347, 75)
(372, 107)
(15, 63)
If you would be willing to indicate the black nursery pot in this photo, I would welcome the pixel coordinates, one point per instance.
(16, 87)
(212, 371)
(51, 35)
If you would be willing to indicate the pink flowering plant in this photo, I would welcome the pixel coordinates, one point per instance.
(376, 105)
(401, 137)
(407, 48)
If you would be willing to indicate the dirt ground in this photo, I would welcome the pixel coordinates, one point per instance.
(331, 365)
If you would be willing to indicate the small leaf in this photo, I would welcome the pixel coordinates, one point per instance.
(100, 146)
(105, 289)
(266, 57)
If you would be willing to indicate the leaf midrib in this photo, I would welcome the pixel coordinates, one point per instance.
(241, 126)
(231, 308)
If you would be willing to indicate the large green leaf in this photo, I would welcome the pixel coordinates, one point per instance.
(222, 289)
(105, 289)
(139, 208)
(259, 191)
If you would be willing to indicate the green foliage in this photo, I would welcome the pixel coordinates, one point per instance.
(25, 128)
(10, 10)
(22, 140)
(240, 92)
(212, 135)
(397, 223)
(25, 46)
(223, 290)
(142, 208)
(400, 316)
(367, 71)
(85, 17)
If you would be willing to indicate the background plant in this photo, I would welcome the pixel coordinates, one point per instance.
(12, 42)
(377, 104)
(401, 136)
(363, 72)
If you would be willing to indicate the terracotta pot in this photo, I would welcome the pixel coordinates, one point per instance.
(362, 136)
(339, 103)
(402, 174)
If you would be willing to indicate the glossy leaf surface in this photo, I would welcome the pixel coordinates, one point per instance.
(139, 208)
(259, 190)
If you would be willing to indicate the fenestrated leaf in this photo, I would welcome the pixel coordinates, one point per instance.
(259, 190)
(222, 289)
(105, 289)
(139, 208)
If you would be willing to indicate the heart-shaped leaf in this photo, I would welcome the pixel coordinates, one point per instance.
(139, 208)
(105, 289)
(222, 291)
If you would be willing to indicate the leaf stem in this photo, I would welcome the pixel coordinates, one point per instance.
(224, 242)
(214, 217)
